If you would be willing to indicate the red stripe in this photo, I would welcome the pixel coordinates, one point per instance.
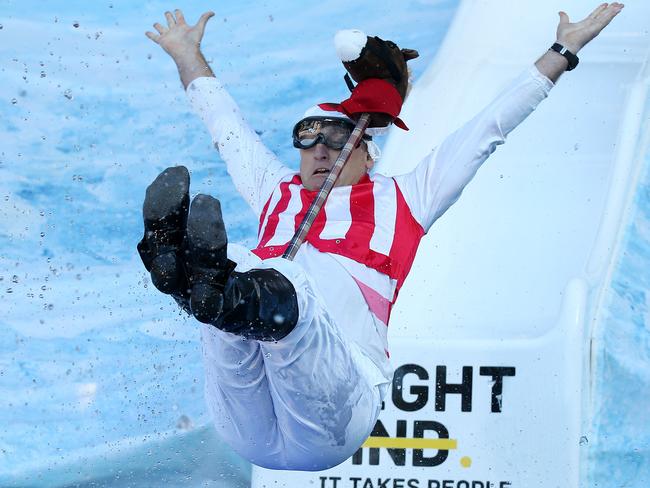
(362, 211)
(274, 218)
(263, 216)
(306, 197)
(377, 304)
(408, 233)
(317, 227)
(270, 252)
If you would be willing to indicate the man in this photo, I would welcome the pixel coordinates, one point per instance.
(296, 353)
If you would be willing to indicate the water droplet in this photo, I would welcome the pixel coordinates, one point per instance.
(68, 94)
(14, 101)
(42, 74)
(14, 279)
(76, 25)
(184, 423)
(584, 440)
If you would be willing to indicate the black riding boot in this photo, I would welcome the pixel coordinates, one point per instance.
(161, 249)
(259, 304)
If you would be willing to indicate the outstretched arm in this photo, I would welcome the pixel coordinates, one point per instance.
(438, 181)
(183, 43)
(254, 169)
(574, 36)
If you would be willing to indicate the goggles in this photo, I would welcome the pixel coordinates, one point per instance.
(331, 131)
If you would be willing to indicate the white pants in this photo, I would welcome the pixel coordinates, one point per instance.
(306, 402)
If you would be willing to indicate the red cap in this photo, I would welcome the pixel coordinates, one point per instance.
(372, 95)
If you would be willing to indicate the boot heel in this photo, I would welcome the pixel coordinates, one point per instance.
(206, 302)
(167, 198)
(167, 273)
(207, 257)
(165, 217)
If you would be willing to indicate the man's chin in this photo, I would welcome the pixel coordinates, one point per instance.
(315, 181)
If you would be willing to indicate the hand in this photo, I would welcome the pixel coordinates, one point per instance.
(575, 36)
(179, 39)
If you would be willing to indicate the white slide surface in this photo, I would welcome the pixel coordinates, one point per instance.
(505, 294)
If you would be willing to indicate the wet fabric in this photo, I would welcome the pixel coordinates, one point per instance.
(306, 402)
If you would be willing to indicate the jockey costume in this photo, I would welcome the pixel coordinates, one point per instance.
(308, 399)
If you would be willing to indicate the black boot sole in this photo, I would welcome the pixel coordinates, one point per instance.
(167, 198)
(165, 212)
(207, 257)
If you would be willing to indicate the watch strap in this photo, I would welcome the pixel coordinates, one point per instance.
(570, 57)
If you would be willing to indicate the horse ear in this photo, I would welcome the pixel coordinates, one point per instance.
(409, 54)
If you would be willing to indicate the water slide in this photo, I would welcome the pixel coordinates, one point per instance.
(492, 334)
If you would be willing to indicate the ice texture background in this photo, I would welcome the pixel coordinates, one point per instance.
(101, 382)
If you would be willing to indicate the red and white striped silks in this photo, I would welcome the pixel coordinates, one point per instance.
(368, 227)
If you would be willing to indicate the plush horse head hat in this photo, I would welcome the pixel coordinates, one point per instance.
(379, 68)
(371, 57)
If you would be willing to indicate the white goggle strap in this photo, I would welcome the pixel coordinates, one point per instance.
(373, 150)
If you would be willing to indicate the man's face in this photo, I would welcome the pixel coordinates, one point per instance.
(316, 162)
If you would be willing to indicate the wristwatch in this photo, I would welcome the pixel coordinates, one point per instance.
(571, 58)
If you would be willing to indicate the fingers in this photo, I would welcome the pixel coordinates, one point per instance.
(602, 14)
(171, 21)
(152, 36)
(613, 10)
(606, 12)
(564, 18)
(605, 15)
(180, 18)
(203, 20)
(174, 20)
(597, 11)
(160, 28)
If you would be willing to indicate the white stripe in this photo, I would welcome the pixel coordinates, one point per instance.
(275, 198)
(370, 277)
(285, 229)
(382, 331)
(386, 201)
(338, 218)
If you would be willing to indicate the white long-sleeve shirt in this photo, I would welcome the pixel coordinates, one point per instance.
(429, 190)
